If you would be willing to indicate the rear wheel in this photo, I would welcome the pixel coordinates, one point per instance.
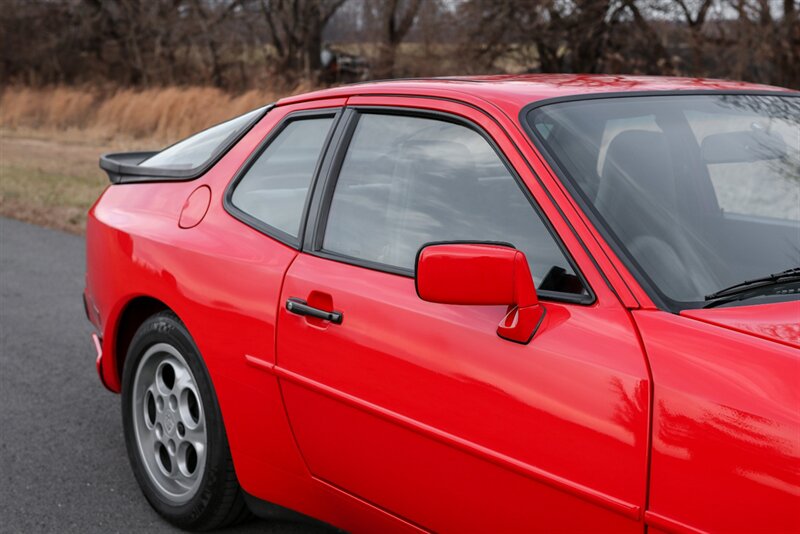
(174, 432)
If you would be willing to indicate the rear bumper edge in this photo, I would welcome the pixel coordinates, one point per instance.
(98, 347)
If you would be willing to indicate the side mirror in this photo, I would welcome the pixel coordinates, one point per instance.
(482, 274)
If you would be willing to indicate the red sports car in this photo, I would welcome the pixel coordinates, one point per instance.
(486, 304)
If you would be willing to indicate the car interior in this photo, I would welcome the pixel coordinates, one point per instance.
(441, 182)
(657, 178)
(407, 190)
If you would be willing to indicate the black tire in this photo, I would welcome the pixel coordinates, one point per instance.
(216, 499)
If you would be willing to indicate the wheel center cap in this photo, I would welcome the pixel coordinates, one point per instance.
(169, 423)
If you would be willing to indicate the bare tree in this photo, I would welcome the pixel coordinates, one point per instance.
(208, 20)
(788, 46)
(565, 36)
(237, 44)
(295, 28)
(695, 14)
(648, 41)
(396, 17)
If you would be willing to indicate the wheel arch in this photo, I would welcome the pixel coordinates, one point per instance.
(133, 314)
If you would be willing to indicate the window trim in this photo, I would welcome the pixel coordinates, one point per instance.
(323, 197)
(661, 301)
(258, 224)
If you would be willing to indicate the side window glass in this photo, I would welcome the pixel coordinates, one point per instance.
(275, 187)
(407, 181)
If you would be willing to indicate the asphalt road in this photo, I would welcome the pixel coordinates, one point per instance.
(63, 466)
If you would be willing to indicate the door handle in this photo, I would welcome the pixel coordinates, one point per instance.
(301, 307)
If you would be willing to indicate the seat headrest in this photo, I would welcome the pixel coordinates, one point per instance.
(641, 159)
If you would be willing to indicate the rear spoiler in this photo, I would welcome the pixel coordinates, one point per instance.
(124, 167)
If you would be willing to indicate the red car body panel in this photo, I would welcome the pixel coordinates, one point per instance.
(514, 400)
(777, 322)
(412, 415)
(726, 414)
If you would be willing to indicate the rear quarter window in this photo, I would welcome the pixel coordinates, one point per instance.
(201, 148)
(273, 190)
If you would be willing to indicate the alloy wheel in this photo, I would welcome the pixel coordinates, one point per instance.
(169, 423)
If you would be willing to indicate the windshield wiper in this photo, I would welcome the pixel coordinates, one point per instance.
(783, 277)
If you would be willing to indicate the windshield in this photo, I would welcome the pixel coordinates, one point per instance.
(700, 192)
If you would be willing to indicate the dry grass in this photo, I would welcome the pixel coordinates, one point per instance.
(50, 182)
(164, 114)
(51, 139)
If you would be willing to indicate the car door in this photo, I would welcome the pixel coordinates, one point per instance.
(420, 408)
(249, 240)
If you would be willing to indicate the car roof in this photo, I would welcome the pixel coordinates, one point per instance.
(514, 91)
